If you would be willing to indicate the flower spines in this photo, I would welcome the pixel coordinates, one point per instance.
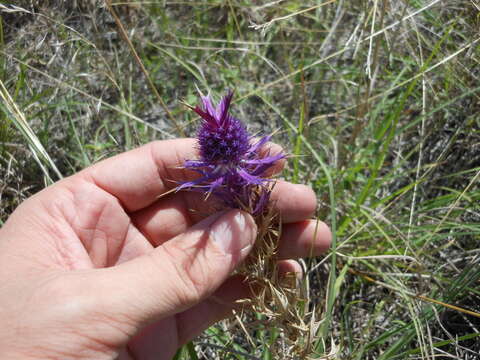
(230, 163)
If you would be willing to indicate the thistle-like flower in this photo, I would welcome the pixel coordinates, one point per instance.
(232, 165)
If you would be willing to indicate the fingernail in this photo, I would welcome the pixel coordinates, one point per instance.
(234, 232)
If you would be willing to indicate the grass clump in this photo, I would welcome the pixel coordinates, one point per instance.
(379, 97)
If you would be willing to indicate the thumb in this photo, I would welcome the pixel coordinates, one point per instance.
(181, 272)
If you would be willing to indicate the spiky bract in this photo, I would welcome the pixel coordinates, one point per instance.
(232, 165)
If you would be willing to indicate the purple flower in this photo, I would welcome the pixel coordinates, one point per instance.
(231, 165)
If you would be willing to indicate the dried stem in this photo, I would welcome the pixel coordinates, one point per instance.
(278, 298)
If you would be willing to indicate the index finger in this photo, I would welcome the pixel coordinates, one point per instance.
(138, 177)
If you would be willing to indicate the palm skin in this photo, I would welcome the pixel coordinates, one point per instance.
(101, 266)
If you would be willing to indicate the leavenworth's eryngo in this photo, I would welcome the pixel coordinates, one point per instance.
(232, 165)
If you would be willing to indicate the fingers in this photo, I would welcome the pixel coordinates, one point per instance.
(138, 177)
(300, 239)
(175, 213)
(217, 307)
(294, 202)
(190, 323)
(181, 272)
(304, 239)
(289, 267)
(273, 149)
(220, 305)
(152, 341)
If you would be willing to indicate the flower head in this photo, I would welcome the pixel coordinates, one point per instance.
(231, 164)
(222, 138)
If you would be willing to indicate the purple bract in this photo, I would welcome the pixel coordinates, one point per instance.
(231, 165)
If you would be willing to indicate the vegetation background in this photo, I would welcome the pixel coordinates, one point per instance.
(381, 98)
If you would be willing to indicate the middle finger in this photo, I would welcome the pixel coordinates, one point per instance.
(174, 214)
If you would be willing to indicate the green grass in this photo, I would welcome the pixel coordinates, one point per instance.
(376, 100)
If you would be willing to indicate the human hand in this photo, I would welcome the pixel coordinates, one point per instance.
(97, 266)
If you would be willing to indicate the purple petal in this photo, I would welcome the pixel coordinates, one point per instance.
(262, 202)
(255, 147)
(195, 163)
(212, 186)
(208, 106)
(260, 170)
(203, 181)
(206, 116)
(185, 185)
(222, 108)
(266, 160)
(251, 179)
